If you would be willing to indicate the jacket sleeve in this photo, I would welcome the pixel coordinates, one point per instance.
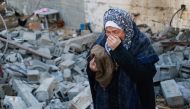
(91, 80)
(136, 70)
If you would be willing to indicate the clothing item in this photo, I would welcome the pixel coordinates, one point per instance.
(132, 84)
(112, 24)
(104, 64)
(123, 19)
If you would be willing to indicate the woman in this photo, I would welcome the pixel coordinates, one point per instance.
(131, 86)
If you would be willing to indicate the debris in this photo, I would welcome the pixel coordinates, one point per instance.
(82, 100)
(13, 102)
(25, 48)
(172, 93)
(33, 76)
(45, 90)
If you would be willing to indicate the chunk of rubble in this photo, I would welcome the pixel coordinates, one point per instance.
(66, 64)
(29, 36)
(14, 57)
(67, 75)
(33, 76)
(25, 92)
(82, 100)
(46, 89)
(172, 93)
(13, 102)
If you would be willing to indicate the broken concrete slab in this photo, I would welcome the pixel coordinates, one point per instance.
(67, 74)
(29, 36)
(44, 50)
(36, 64)
(68, 56)
(24, 91)
(165, 73)
(184, 87)
(13, 102)
(172, 93)
(25, 48)
(66, 64)
(33, 76)
(45, 90)
(57, 51)
(75, 91)
(14, 57)
(82, 100)
(88, 40)
(74, 48)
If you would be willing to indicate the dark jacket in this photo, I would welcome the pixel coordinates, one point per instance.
(132, 84)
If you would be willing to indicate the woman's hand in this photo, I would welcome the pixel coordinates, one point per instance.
(92, 65)
(113, 42)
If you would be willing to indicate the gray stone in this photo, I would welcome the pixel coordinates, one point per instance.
(82, 100)
(75, 91)
(172, 93)
(36, 64)
(13, 102)
(82, 40)
(67, 74)
(57, 51)
(33, 76)
(165, 73)
(45, 90)
(14, 57)
(68, 56)
(29, 36)
(66, 64)
(185, 68)
(24, 91)
(45, 51)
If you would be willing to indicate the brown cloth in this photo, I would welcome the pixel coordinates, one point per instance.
(104, 64)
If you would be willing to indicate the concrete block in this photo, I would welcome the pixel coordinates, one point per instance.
(73, 47)
(68, 56)
(37, 106)
(36, 64)
(82, 100)
(185, 68)
(24, 91)
(75, 91)
(13, 102)
(186, 52)
(165, 73)
(45, 51)
(172, 93)
(66, 64)
(33, 76)
(58, 51)
(29, 36)
(45, 90)
(67, 74)
(45, 40)
(88, 39)
(14, 57)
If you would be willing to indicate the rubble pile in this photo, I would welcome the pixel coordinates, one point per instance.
(43, 71)
(172, 79)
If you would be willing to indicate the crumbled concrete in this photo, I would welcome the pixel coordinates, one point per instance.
(82, 100)
(45, 90)
(33, 76)
(66, 64)
(13, 102)
(172, 93)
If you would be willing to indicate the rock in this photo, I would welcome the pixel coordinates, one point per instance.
(46, 89)
(172, 93)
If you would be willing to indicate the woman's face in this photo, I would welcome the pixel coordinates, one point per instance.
(112, 31)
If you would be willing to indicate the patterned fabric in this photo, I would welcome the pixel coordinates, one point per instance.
(136, 41)
(123, 20)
